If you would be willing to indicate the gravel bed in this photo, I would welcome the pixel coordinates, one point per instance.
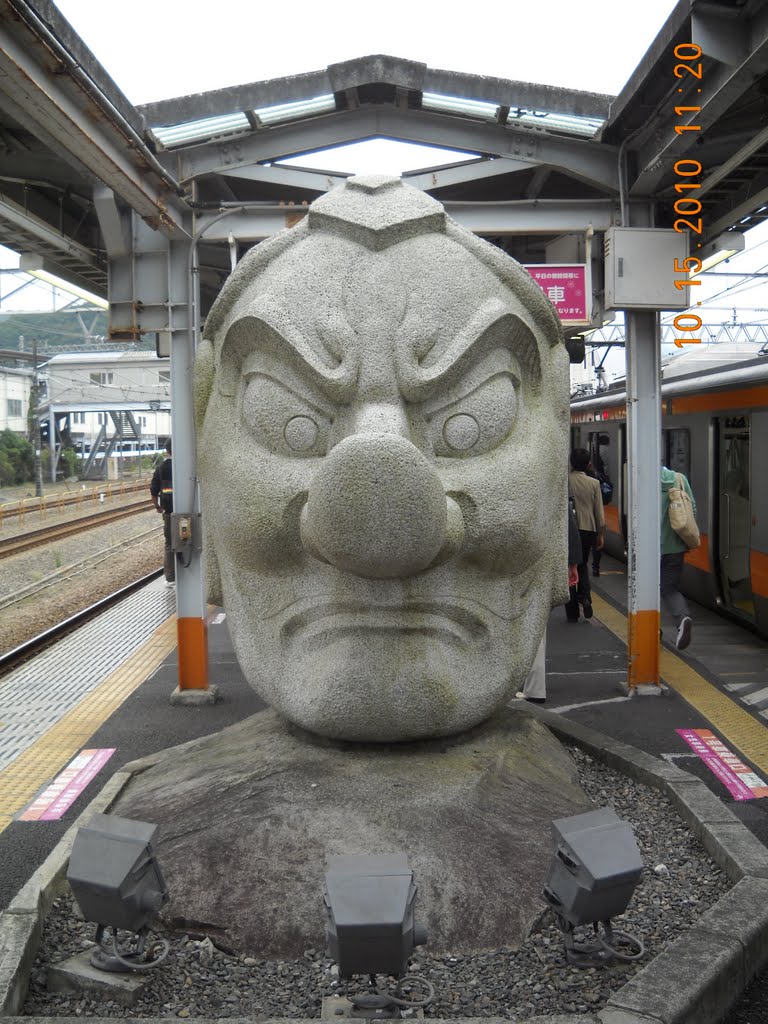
(199, 979)
(121, 552)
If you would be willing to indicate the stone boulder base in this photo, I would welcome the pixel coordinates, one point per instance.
(249, 816)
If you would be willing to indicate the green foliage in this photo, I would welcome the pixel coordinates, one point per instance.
(17, 459)
(71, 462)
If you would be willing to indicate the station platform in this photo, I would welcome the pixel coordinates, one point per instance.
(107, 687)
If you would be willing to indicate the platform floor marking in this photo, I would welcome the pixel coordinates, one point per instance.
(39, 763)
(588, 703)
(735, 724)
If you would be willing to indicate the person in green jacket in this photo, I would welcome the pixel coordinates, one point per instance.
(672, 555)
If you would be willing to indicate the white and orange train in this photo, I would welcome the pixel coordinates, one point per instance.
(715, 430)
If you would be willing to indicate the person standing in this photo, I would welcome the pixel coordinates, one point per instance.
(591, 520)
(161, 490)
(672, 557)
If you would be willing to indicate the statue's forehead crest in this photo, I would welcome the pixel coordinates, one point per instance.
(376, 210)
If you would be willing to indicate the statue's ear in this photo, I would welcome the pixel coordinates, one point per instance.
(203, 380)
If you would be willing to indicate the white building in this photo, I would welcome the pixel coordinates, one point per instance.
(15, 387)
(107, 403)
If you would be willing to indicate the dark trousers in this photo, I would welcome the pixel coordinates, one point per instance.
(669, 578)
(583, 592)
(169, 559)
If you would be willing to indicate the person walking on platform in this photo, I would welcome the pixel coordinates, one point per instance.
(672, 556)
(591, 519)
(161, 490)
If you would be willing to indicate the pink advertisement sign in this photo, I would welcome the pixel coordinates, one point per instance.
(738, 778)
(565, 285)
(57, 798)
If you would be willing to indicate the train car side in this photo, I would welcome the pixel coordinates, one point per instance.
(715, 430)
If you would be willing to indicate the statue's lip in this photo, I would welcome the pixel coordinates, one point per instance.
(334, 619)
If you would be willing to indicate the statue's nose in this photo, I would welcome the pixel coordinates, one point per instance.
(377, 508)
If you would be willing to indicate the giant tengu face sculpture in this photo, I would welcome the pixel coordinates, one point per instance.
(382, 423)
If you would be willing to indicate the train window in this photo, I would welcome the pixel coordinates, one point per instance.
(676, 449)
(598, 453)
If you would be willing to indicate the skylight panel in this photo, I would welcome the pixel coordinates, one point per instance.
(298, 109)
(457, 105)
(195, 131)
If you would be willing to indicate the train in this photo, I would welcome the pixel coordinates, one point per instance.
(715, 430)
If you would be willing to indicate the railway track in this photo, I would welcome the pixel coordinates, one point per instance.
(32, 647)
(48, 534)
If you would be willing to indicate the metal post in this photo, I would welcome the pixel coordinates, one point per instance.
(643, 353)
(191, 607)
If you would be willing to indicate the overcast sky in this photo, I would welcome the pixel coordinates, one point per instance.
(155, 49)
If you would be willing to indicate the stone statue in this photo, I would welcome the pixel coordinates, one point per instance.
(382, 408)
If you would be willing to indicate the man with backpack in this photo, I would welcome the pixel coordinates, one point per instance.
(161, 490)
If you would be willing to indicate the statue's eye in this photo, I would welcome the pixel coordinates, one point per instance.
(283, 420)
(479, 421)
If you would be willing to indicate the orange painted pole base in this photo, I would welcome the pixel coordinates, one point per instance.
(643, 649)
(193, 653)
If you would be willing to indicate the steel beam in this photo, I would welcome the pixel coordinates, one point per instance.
(47, 99)
(289, 177)
(588, 161)
(719, 88)
(45, 234)
(474, 170)
(524, 216)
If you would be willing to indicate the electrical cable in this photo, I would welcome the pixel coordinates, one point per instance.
(612, 937)
(110, 946)
(383, 997)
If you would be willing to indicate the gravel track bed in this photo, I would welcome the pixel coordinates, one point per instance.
(680, 882)
(132, 556)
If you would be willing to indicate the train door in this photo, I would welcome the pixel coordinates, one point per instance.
(734, 513)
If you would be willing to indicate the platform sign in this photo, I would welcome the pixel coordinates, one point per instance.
(568, 288)
(57, 798)
(738, 778)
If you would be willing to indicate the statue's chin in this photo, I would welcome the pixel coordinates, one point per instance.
(384, 687)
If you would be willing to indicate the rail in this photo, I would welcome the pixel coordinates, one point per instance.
(35, 538)
(30, 648)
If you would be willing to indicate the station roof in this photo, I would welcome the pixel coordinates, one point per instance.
(71, 142)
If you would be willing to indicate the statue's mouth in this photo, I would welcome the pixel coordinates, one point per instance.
(327, 621)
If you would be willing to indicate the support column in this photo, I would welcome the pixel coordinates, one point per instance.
(191, 606)
(643, 354)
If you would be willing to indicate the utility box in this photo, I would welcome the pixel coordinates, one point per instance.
(370, 927)
(113, 872)
(640, 268)
(595, 869)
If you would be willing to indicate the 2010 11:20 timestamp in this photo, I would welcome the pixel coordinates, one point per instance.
(687, 205)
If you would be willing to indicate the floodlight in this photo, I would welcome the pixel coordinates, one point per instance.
(117, 884)
(594, 871)
(370, 927)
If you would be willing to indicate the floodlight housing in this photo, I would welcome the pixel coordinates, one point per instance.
(113, 872)
(369, 901)
(595, 868)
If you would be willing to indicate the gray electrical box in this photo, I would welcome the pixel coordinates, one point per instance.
(113, 872)
(369, 901)
(640, 268)
(596, 866)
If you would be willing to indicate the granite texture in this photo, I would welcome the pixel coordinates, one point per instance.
(382, 406)
(251, 816)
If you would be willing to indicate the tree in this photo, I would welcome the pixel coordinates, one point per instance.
(17, 459)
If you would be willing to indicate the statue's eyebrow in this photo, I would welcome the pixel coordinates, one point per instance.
(494, 324)
(258, 331)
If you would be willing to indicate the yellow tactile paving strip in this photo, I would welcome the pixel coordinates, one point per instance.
(748, 735)
(42, 761)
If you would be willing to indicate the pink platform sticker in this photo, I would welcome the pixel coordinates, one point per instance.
(738, 778)
(57, 798)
